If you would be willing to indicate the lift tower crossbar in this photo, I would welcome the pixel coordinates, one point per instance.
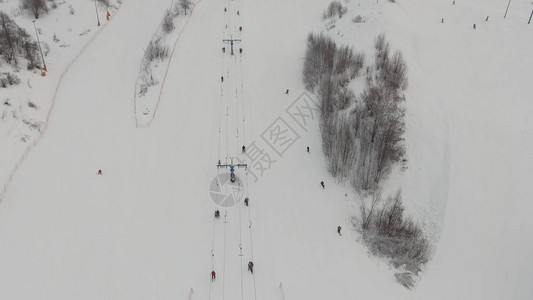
(231, 167)
(231, 42)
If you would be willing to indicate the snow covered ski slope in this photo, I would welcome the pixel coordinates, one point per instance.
(145, 228)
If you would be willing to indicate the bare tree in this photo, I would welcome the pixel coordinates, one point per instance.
(334, 8)
(168, 21)
(185, 5)
(367, 213)
(35, 6)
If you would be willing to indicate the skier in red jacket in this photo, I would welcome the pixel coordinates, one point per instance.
(251, 267)
(213, 275)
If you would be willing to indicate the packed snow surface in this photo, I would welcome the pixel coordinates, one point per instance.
(144, 229)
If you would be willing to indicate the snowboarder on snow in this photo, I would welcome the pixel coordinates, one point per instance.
(99, 172)
(339, 230)
(322, 184)
(251, 267)
(246, 201)
(217, 214)
(213, 275)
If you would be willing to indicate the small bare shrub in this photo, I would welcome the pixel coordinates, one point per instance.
(185, 5)
(358, 19)
(7, 79)
(156, 51)
(35, 6)
(32, 105)
(168, 21)
(12, 79)
(335, 8)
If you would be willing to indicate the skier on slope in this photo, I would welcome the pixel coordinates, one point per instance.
(251, 267)
(287, 92)
(246, 201)
(217, 214)
(322, 184)
(213, 275)
(222, 78)
(99, 172)
(339, 230)
(307, 149)
(243, 149)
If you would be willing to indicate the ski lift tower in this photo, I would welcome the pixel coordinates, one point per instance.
(231, 167)
(231, 41)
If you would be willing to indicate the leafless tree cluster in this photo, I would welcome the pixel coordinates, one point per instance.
(379, 118)
(36, 7)
(168, 21)
(155, 51)
(362, 138)
(325, 61)
(328, 69)
(335, 8)
(16, 42)
(7, 79)
(390, 234)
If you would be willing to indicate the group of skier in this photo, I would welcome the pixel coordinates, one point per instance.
(250, 268)
(250, 263)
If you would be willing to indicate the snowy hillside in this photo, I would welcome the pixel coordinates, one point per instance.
(145, 229)
(64, 31)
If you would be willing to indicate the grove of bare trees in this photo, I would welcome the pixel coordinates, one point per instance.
(362, 139)
(15, 43)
